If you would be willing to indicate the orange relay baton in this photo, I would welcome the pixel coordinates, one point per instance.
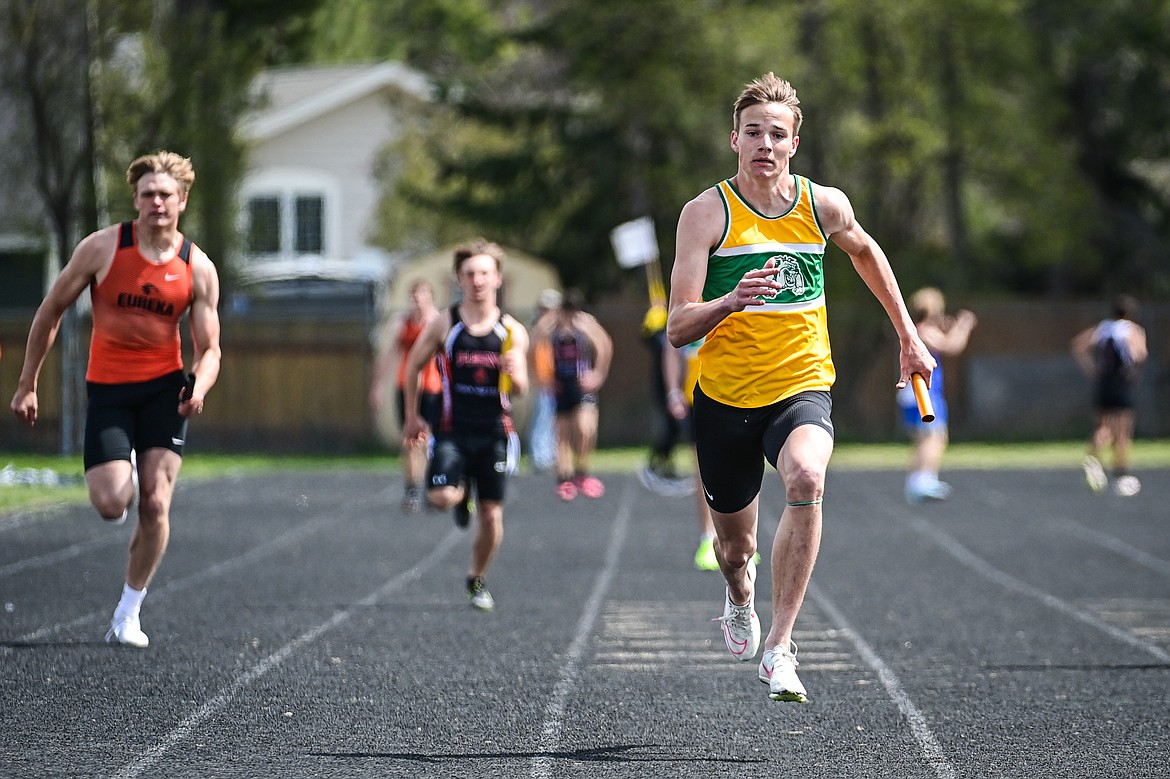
(922, 395)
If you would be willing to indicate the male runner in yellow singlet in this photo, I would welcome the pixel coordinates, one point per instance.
(749, 278)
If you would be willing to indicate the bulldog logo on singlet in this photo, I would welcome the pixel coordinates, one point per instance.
(787, 272)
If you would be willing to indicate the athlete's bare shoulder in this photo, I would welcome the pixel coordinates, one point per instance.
(707, 201)
(833, 208)
(703, 219)
(100, 243)
(94, 254)
(511, 322)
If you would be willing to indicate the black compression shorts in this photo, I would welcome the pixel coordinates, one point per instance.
(485, 460)
(141, 415)
(732, 443)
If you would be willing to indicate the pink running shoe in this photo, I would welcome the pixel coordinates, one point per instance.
(590, 486)
(566, 490)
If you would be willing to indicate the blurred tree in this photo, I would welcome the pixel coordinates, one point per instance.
(579, 117)
(183, 84)
(944, 139)
(45, 60)
(1003, 145)
(1110, 65)
(955, 129)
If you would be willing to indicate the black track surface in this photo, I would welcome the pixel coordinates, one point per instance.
(302, 626)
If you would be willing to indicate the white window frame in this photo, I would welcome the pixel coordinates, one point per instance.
(286, 185)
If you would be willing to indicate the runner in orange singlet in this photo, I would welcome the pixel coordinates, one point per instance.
(143, 276)
(402, 332)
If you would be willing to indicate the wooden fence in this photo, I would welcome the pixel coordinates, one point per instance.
(302, 386)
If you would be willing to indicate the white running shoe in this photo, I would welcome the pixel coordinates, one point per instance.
(1127, 486)
(480, 597)
(924, 489)
(128, 631)
(741, 626)
(1094, 474)
(778, 671)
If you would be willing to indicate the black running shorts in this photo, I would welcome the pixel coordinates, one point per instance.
(141, 415)
(430, 407)
(1113, 393)
(732, 443)
(485, 460)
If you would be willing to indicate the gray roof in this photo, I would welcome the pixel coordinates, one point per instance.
(294, 95)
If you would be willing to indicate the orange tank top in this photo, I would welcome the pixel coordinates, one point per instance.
(431, 381)
(136, 313)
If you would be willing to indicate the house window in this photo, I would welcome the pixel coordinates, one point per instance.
(310, 225)
(264, 225)
(286, 225)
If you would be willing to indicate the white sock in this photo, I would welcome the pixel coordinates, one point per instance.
(131, 600)
(920, 480)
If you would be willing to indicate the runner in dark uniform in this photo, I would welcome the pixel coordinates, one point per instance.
(482, 355)
(1111, 352)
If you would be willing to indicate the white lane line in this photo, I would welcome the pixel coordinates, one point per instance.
(176, 585)
(59, 555)
(996, 499)
(28, 517)
(1007, 581)
(274, 660)
(931, 749)
(1115, 545)
(554, 711)
(919, 729)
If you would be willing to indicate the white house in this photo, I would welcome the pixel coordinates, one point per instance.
(309, 194)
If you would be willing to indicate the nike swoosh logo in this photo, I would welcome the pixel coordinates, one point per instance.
(767, 669)
(171, 277)
(741, 644)
(827, 423)
(709, 495)
(178, 441)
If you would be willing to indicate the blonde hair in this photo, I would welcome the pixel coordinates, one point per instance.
(768, 88)
(927, 303)
(174, 165)
(474, 249)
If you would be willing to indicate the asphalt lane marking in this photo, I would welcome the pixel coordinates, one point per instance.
(968, 558)
(554, 712)
(1115, 545)
(636, 637)
(59, 555)
(919, 729)
(176, 585)
(274, 660)
(1147, 618)
(33, 516)
(931, 749)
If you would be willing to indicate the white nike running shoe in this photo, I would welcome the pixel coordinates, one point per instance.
(1127, 486)
(127, 630)
(778, 671)
(741, 626)
(1094, 474)
(479, 596)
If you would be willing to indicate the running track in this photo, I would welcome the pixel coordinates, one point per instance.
(302, 627)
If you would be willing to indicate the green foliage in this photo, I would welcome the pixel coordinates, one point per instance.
(959, 132)
(182, 83)
(993, 145)
(585, 118)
